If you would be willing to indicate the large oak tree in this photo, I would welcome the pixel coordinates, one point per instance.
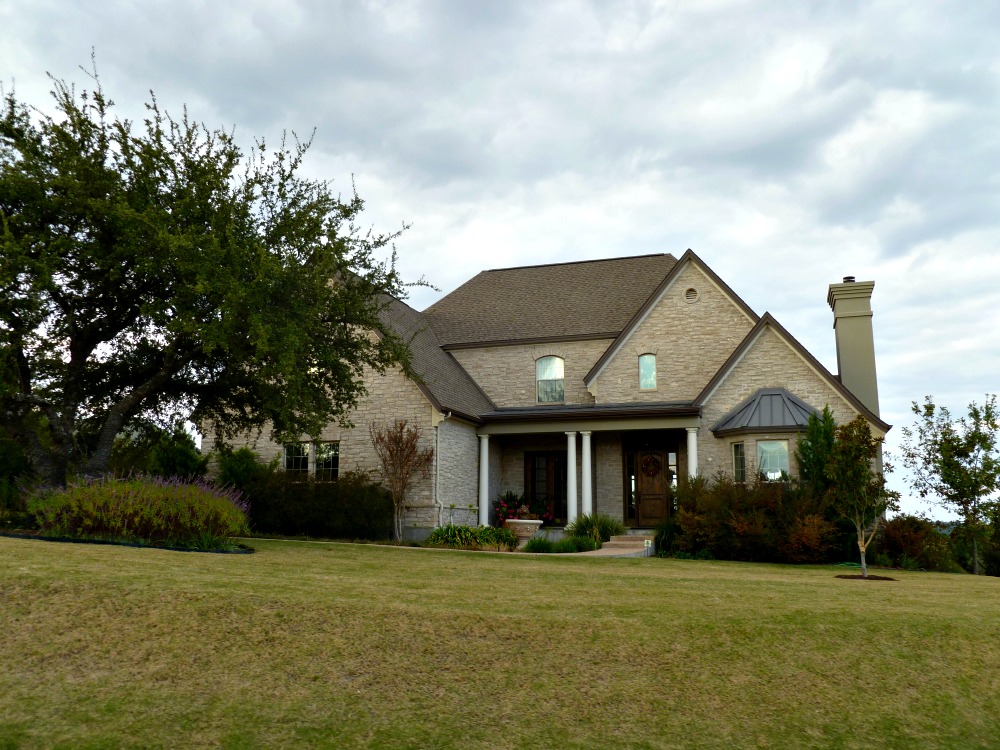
(155, 269)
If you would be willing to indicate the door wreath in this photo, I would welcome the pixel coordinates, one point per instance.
(651, 466)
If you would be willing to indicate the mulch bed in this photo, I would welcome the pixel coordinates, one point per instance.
(859, 577)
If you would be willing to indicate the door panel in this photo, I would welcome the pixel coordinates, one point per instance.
(653, 485)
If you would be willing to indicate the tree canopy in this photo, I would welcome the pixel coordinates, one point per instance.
(958, 461)
(156, 270)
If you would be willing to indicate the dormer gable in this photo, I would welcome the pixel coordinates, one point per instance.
(690, 324)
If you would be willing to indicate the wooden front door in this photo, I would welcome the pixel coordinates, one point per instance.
(653, 487)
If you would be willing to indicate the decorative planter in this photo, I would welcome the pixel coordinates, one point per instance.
(523, 529)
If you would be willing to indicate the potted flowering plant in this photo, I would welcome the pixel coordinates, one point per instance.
(524, 524)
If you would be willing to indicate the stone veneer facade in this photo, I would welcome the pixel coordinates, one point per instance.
(770, 362)
(507, 373)
(691, 341)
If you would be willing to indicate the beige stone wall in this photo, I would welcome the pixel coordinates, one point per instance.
(507, 373)
(608, 487)
(691, 341)
(769, 363)
(391, 396)
(458, 472)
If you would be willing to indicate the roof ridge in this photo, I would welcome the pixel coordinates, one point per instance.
(578, 262)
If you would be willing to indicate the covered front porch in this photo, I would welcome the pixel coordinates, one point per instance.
(621, 461)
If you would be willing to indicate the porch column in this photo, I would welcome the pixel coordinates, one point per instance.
(587, 499)
(692, 451)
(570, 477)
(484, 480)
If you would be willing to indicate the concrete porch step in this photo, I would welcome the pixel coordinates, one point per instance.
(626, 545)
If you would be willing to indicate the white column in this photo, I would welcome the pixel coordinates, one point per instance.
(484, 480)
(571, 498)
(587, 499)
(692, 451)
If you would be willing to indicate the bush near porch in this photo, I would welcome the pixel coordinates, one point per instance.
(784, 522)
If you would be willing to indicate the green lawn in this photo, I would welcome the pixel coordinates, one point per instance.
(328, 645)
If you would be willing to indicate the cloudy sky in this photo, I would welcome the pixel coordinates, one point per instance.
(789, 144)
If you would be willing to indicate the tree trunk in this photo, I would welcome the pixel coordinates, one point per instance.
(975, 557)
(398, 522)
(861, 548)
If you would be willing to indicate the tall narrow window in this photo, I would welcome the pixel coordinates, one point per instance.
(327, 461)
(772, 458)
(647, 372)
(549, 380)
(297, 458)
(739, 463)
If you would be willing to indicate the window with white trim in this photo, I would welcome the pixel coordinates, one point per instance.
(319, 460)
(549, 373)
(647, 372)
(772, 459)
(739, 462)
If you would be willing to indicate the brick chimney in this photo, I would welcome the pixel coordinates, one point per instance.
(851, 302)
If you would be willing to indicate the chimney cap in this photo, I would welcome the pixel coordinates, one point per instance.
(848, 279)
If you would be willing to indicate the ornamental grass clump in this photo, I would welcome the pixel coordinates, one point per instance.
(597, 526)
(145, 510)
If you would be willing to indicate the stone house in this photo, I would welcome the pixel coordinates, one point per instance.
(591, 386)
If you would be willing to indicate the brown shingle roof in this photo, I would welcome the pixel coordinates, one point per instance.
(445, 382)
(587, 299)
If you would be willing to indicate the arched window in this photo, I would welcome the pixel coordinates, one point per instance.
(549, 380)
(647, 372)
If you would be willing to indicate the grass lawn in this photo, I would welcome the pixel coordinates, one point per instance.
(340, 646)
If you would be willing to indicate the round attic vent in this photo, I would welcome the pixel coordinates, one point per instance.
(691, 295)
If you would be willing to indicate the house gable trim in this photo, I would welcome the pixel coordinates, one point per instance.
(768, 321)
(688, 257)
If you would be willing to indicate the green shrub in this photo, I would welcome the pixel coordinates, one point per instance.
(564, 545)
(665, 536)
(682, 555)
(539, 544)
(351, 507)
(14, 472)
(598, 527)
(452, 536)
(584, 543)
(149, 510)
(499, 538)
(704, 555)
(918, 543)
(465, 537)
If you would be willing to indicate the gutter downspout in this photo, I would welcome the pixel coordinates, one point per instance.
(437, 467)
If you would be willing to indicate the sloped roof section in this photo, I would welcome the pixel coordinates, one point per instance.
(440, 377)
(770, 410)
(558, 302)
(767, 321)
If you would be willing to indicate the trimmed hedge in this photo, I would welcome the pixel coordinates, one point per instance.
(352, 507)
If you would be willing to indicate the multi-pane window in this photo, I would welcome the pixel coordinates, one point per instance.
(327, 461)
(772, 458)
(739, 463)
(647, 372)
(319, 460)
(297, 458)
(549, 380)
